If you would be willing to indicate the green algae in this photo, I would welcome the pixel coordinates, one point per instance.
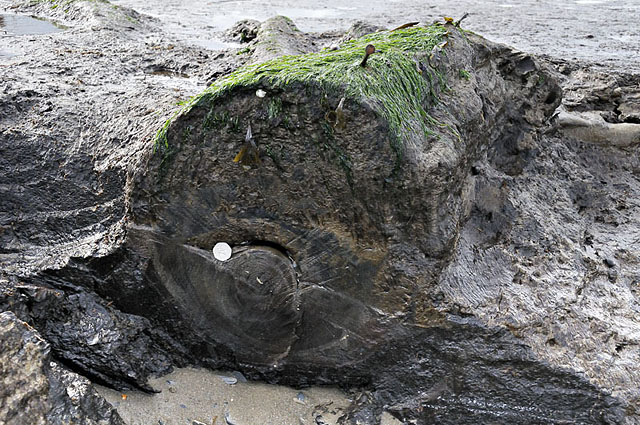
(57, 3)
(392, 82)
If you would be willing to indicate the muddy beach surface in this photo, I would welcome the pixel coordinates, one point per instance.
(81, 101)
(603, 32)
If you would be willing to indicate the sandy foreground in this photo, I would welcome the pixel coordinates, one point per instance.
(198, 396)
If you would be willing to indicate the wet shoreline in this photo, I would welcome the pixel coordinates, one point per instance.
(600, 31)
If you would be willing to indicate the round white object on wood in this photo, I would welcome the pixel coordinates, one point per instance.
(222, 251)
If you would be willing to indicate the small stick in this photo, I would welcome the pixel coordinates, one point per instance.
(410, 24)
(369, 50)
(457, 24)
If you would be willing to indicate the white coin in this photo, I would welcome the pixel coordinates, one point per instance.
(222, 251)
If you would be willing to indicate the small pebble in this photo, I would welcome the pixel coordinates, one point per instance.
(194, 422)
(183, 406)
(173, 390)
(299, 398)
(170, 382)
(320, 420)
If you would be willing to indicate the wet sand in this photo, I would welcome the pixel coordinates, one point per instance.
(198, 396)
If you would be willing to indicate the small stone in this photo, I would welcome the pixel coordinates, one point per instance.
(183, 406)
(300, 398)
(609, 262)
(261, 93)
(195, 422)
(320, 420)
(173, 390)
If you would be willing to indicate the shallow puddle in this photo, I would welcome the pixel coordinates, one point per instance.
(212, 43)
(12, 25)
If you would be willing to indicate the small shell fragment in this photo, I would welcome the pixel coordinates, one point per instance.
(222, 251)
(227, 419)
(239, 376)
(229, 380)
(261, 93)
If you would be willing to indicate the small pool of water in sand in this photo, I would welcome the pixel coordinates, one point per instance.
(15, 25)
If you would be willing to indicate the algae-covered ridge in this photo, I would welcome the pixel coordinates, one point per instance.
(392, 81)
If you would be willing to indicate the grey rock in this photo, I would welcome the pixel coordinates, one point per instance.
(243, 31)
(23, 357)
(37, 390)
(358, 29)
(111, 347)
(278, 36)
(74, 400)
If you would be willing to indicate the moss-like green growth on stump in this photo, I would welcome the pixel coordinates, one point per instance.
(393, 81)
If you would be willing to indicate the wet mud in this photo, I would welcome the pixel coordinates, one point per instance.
(603, 32)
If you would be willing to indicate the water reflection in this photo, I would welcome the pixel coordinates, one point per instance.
(13, 25)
